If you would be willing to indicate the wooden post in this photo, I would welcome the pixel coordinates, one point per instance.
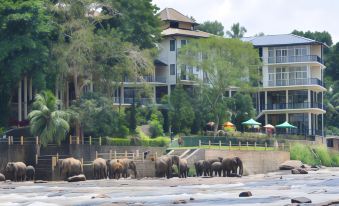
(57, 157)
(22, 140)
(36, 140)
(239, 145)
(78, 140)
(255, 145)
(230, 145)
(36, 159)
(265, 145)
(100, 141)
(142, 156)
(96, 154)
(70, 139)
(90, 140)
(125, 153)
(247, 145)
(82, 164)
(156, 155)
(9, 140)
(209, 143)
(137, 153)
(133, 156)
(110, 154)
(199, 143)
(12, 140)
(219, 144)
(115, 154)
(53, 163)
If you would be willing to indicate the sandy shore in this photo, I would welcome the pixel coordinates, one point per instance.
(267, 189)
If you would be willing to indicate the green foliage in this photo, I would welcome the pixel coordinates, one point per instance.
(155, 126)
(303, 153)
(153, 142)
(115, 141)
(324, 155)
(25, 36)
(324, 36)
(180, 110)
(46, 122)
(213, 27)
(236, 31)
(242, 109)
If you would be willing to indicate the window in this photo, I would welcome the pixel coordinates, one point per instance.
(174, 24)
(183, 42)
(172, 45)
(172, 69)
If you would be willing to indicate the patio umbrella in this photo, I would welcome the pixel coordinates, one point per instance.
(228, 124)
(251, 122)
(269, 126)
(286, 125)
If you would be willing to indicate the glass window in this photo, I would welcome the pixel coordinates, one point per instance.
(172, 69)
(172, 45)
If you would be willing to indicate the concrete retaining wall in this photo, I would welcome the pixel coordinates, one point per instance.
(255, 162)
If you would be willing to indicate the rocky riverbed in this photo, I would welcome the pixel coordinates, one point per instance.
(267, 189)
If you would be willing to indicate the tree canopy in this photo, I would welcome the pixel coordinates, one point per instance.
(236, 31)
(213, 27)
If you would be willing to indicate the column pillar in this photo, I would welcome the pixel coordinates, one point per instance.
(322, 125)
(122, 94)
(229, 93)
(309, 123)
(25, 97)
(19, 102)
(30, 91)
(169, 90)
(154, 95)
(266, 119)
(309, 98)
(265, 99)
(287, 105)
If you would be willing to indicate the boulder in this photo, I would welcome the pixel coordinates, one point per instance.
(179, 202)
(245, 194)
(300, 200)
(295, 171)
(100, 196)
(290, 164)
(302, 171)
(2, 177)
(76, 178)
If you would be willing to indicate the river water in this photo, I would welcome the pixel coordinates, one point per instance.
(270, 189)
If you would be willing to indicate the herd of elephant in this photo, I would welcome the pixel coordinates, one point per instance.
(116, 168)
(226, 167)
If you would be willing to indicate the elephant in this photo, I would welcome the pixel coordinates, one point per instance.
(30, 173)
(216, 169)
(99, 168)
(199, 168)
(115, 168)
(230, 167)
(2, 177)
(70, 167)
(182, 168)
(207, 165)
(17, 170)
(163, 165)
(128, 164)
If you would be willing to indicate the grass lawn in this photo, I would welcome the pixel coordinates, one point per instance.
(258, 148)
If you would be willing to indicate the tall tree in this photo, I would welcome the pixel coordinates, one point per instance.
(236, 31)
(25, 34)
(323, 36)
(46, 121)
(213, 27)
(227, 62)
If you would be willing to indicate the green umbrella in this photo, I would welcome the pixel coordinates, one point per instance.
(286, 125)
(251, 122)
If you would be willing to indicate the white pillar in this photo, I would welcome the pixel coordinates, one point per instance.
(154, 95)
(266, 119)
(287, 117)
(322, 125)
(309, 98)
(287, 106)
(169, 90)
(25, 97)
(30, 91)
(229, 93)
(122, 94)
(309, 123)
(19, 102)
(265, 99)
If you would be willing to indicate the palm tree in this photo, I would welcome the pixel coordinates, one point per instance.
(236, 31)
(46, 121)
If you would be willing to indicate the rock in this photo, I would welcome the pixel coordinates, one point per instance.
(40, 181)
(295, 171)
(290, 164)
(101, 196)
(300, 200)
(2, 177)
(191, 198)
(179, 202)
(302, 171)
(245, 194)
(76, 178)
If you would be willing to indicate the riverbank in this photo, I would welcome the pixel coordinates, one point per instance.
(268, 189)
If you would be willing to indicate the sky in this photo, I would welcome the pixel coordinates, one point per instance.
(267, 16)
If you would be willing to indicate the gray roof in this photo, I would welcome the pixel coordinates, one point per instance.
(169, 14)
(280, 39)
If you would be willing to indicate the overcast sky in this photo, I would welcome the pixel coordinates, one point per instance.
(268, 16)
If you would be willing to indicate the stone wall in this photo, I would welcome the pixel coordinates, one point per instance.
(255, 162)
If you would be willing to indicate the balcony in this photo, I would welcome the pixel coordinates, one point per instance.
(302, 105)
(143, 101)
(294, 82)
(148, 78)
(294, 59)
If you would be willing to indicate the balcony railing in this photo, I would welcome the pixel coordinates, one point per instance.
(148, 79)
(143, 101)
(294, 59)
(293, 82)
(302, 105)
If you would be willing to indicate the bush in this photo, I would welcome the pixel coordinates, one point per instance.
(155, 126)
(335, 159)
(114, 141)
(323, 155)
(303, 153)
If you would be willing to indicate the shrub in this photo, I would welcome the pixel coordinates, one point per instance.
(117, 141)
(335, 159)
(323, 155)
(303, 153)
(155, 126)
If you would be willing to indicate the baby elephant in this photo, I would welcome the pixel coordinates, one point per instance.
(30, 173)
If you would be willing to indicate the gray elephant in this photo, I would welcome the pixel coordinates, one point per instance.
(199, 167)
(182, 167)
(70, 167)
(128, 164)
(99, 168)
(163, 165)
(216, 169)
(230, 167)
(115, 169)
(207, 165)
(30, 173)
(2, 177)
(16, 170)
